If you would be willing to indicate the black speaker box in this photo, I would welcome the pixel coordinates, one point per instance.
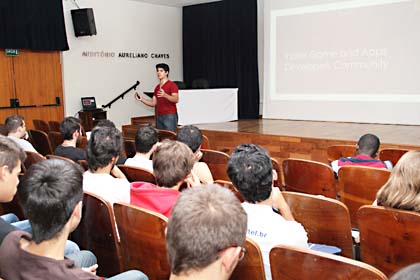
(83, 22)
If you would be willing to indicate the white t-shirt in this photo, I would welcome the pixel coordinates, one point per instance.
(109, 188)
(138, 161)
(269, 229)
(25, 145)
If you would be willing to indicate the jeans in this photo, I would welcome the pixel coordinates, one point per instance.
(14, 221)
(130, 275)
(167, 122)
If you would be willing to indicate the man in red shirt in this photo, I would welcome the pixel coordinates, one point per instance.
(366, 151)
(164, 99)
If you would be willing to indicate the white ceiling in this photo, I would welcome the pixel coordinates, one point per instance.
(177, 3)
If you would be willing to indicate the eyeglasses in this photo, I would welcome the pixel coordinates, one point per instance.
(242, 254)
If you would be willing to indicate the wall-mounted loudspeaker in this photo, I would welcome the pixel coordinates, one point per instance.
(83, 22)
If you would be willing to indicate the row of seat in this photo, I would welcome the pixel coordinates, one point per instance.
(140, 241)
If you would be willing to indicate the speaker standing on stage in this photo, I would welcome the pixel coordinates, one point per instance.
(164, 99)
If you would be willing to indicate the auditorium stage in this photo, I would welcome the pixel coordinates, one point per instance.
(305, 139)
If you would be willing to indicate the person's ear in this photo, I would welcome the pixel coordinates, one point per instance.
(230, 259)
(77, 211)
(3, 171)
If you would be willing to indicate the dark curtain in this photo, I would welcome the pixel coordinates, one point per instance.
(220, 45)
(32, 24)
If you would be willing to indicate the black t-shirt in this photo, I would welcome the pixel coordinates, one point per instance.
(5, 229)
(72, 153)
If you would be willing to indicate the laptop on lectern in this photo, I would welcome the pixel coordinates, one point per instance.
(88, 103)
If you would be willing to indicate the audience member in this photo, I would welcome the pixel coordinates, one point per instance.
(366, 151)
(192, 137)
(172, 165)
(206, 234)
(109, 123)
(11, 157)
(51, 194)
(411, 272)
(251, 172)
(16, 128)
(70, 129)
(146, 143)
(104, 147)
(402, 190)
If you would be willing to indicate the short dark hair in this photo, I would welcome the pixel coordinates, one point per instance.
(172, 162)
(13, 123)
(104, 144)
(10, 153)
(146, 137)
(105, 123)
(204, 221)
(68, 126)
(191, 136)
(164, 66)
(369, 144)
(49, 192)
(251, 171)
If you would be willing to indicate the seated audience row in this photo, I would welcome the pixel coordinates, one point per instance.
(51, 193)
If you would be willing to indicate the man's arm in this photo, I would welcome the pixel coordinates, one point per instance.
(148, 102)
(281, 204)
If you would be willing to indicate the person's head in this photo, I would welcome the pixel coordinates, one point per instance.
(411, 272)
(105, 123)
(368, 144)
(162, 70)
(51, 195)
(104, 147)
(11, 157)
(402, 190)
(251, 171)
(191, 136)
(172, 163)
(207, 228)
(15, 124)
(146, 139)
(70, 128)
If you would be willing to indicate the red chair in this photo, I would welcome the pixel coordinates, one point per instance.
(389, 238)
(307, 176)
(293, 263)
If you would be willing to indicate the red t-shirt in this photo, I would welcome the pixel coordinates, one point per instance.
(164, 106)
(151, 197)
(361, 160)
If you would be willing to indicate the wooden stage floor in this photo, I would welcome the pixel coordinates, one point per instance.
(305, 139)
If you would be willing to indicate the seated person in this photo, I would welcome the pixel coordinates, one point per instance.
(251, 172)
(16, 128)
(146, 143)
(172, 164)
(206, 234)
(109, 123)
(70, 130)
(51, 194)
(192, 137)
(402, 191)
(11, 157)
(366, 151)
(104, 147)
